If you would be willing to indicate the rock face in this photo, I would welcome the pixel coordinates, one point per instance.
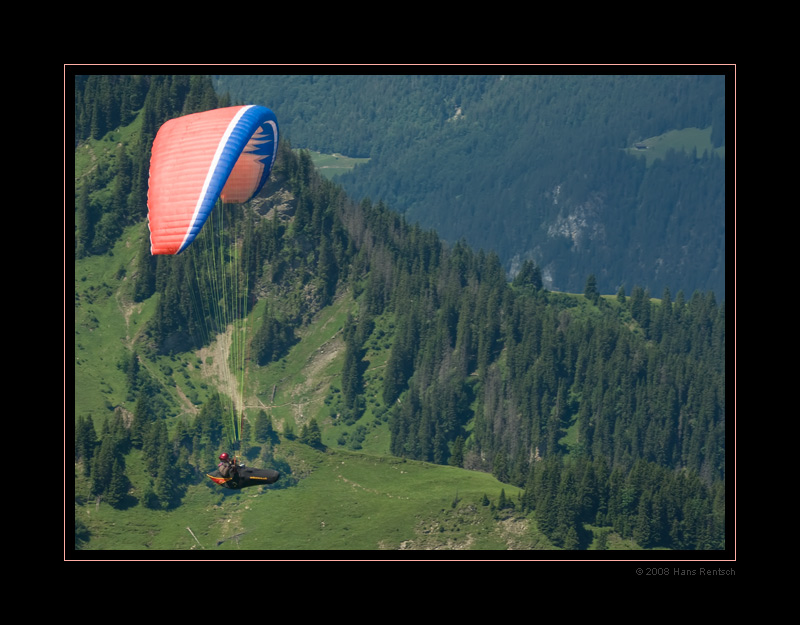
(581, 224)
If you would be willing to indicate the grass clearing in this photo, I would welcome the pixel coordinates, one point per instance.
(332, 165)
(685, 140)
(293, 389)
(338, 500)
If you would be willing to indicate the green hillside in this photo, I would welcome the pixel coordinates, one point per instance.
(328, 498)
(333, 501)
(410, 396)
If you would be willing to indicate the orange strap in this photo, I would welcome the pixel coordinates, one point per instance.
(218, 480)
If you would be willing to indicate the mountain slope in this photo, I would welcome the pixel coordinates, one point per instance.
(384, 340)
(532, 167)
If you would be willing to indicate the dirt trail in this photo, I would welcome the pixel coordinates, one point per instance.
(216, 368)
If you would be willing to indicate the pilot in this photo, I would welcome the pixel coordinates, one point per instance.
(227, 466)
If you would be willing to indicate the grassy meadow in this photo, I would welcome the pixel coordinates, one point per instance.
(684, 140)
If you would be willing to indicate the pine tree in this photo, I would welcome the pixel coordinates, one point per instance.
(263, 429)
(529, 275)
(85, 219)
(352, 378)
(571, 540)
(102, 466)
(310, 434)
(154, 445)
(500, 466)
(641, 528)
(85, 442)
(566, 507)
(145, 277)
(457, 457)
(400, 365)
(590, 292)
(265, 342)
(165, 482)
(117, 486)
(502, 503)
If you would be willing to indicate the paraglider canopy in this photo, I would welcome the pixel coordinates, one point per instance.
(224, 153)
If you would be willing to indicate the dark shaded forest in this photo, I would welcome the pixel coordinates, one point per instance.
(532, 167)
(608, 411)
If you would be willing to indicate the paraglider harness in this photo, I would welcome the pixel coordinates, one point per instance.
(241, 476)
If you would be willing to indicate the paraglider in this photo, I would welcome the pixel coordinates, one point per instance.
(224, 153)
(198, 161)
(231, 474)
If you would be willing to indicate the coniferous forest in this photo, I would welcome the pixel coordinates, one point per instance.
(550, 168)
(606, 409)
